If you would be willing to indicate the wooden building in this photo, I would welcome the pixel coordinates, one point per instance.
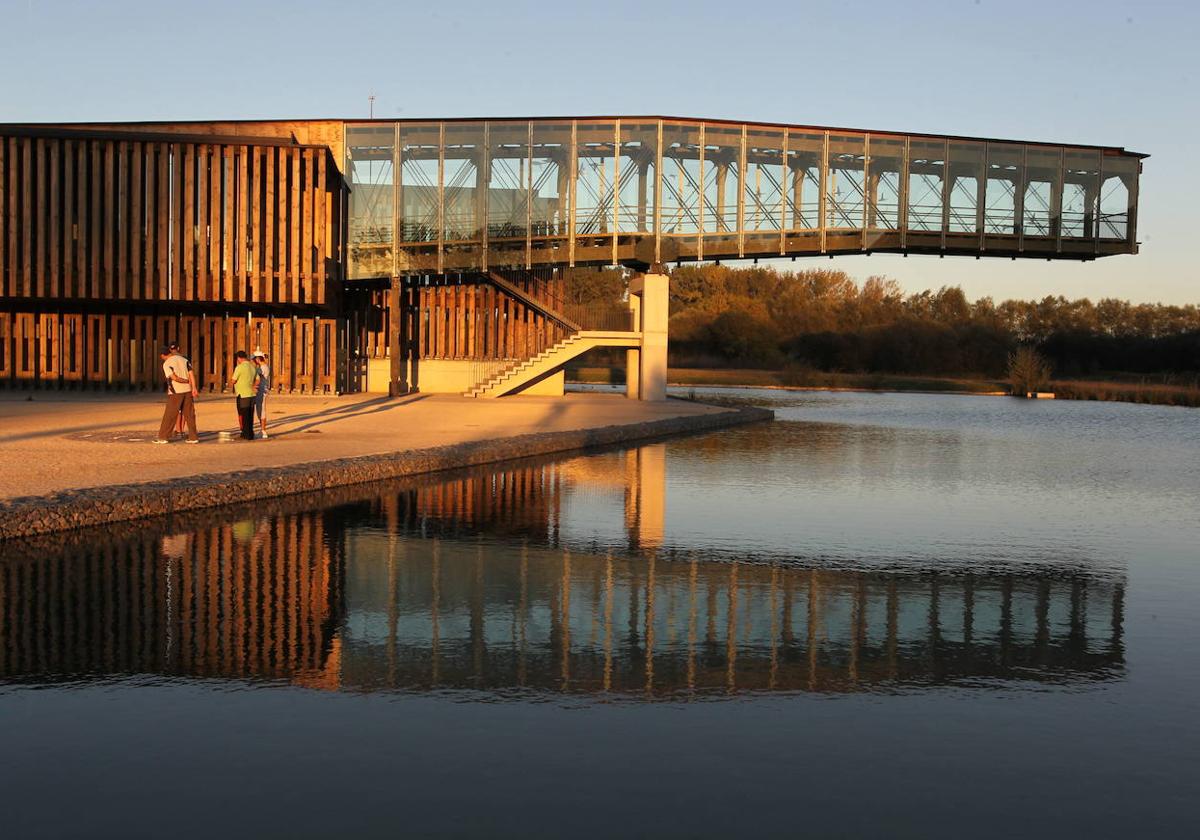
(399, 255)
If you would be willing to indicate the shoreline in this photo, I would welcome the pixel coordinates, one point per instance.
(1080, 390)
(68, 510)
(848, 388)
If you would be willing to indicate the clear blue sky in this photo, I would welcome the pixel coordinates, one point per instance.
(1102, 72)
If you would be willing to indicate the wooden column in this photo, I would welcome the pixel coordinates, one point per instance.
(398, 383)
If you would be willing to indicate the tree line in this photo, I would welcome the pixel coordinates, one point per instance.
(822, 318)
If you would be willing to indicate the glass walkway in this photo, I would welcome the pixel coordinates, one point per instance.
(470, 195)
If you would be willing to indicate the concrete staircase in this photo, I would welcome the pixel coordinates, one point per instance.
(525, 371)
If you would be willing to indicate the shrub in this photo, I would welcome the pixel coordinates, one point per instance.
(1027, 371)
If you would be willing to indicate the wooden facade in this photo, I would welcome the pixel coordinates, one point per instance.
(77, 348)
(113, 244)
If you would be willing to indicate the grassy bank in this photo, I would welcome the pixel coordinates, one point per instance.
(750, 377)
(1135, 392)
(1065, 389)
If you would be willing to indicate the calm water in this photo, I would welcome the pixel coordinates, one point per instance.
(881, 615)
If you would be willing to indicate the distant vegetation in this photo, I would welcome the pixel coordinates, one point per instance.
(820, 322)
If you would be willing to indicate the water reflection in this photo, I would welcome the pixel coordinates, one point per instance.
(541, 579)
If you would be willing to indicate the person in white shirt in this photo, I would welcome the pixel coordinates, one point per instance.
(179, 421)
(179, 397)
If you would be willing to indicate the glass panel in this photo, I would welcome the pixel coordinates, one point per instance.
(369, 151)
(419, 150)
(550, 194)
(966, 170)
(595, 183)
(926, 171)
(462, 150)
(844, 187)
(508, 192)
(803, 190)
(1042, 185)
(1081, 186)
(883, 182)
(1003, 175)
(763, 184)
(722, 177)
(680, 202)
(1116, 196)
(637, 171)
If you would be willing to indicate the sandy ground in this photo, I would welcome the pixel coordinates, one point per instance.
(58, 442)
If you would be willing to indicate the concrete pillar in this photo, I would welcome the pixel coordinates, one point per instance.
(633, 357)
(652, 288)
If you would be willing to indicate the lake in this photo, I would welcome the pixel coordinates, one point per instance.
(880, 615)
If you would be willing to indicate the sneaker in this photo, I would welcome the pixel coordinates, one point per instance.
(194, 441)
(160, 440)
(264, 436)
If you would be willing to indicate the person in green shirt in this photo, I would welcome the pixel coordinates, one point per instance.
(245, 386)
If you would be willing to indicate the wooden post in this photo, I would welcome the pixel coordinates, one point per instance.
(398, 383)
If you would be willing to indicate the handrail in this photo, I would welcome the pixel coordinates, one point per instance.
(514, 291)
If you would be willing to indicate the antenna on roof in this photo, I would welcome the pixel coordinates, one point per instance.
(371, 105)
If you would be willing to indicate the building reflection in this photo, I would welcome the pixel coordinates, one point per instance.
(257, 598)
(481, 583)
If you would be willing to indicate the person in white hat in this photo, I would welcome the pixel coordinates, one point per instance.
(264, 388)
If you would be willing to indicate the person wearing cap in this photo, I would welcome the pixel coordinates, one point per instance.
(245, 385)
(179, 421)
(264, 388)
(180, 397)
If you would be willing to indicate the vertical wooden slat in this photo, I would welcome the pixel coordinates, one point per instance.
(82, 287)
(119, 342)
(110, 212)
(460, 324)
(48, 347)
(303, 191)
(320, 227)
(201, 221)
(96, 348)
(74, 348)
(146, 161)
(95, 221)
(136, 225)
(56, 244)
(9, 196)
(121, 220)
(6, 351)
(40, 218)
(164, 214)
(256, 225)
(188, 239)
(216, 170)
(4, 290)
(241, 235)
(282, 293)
(229, 285)
(294, 228)
(27, 213)
(312, 293)
(269, 213)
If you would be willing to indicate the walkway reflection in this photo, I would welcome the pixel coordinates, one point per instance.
(436, 614)
(482, 583)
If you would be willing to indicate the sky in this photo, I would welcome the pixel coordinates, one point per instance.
(1105, 72)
